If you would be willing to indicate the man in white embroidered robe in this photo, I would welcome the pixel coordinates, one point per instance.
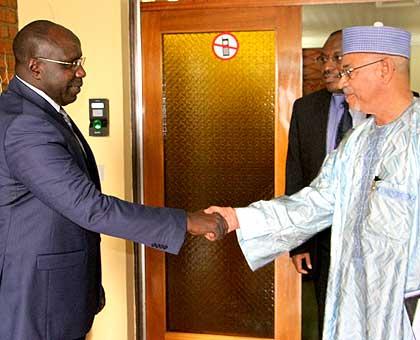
(368, 190)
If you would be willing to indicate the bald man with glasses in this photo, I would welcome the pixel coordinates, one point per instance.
(52, 210)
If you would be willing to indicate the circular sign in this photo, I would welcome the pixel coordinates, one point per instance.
(225, 46)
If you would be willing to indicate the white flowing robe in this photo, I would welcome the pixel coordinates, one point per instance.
(368, 190)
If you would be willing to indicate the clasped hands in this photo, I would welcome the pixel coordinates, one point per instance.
(214, 222)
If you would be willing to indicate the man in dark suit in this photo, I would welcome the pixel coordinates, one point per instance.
(51, 206)
(313, 133)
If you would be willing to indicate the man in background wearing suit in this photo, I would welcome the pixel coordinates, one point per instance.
(313, 133)
(51, 206)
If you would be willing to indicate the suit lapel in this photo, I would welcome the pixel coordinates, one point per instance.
(22, 90)
(324, 112)
(87, 163)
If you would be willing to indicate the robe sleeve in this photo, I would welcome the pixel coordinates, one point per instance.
(269, 228)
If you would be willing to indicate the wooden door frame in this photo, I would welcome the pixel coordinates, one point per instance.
(158, 18)
(288, 87)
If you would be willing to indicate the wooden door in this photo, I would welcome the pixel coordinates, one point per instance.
(158, 19)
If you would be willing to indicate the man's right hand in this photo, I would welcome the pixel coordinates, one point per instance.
(213, 226)
(298, 262)
(228, 213)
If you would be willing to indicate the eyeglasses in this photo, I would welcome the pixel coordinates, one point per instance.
(73, 64)
(347, 72)
(323, 59)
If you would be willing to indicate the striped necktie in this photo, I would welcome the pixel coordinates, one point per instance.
(345, 124)
(67, 119)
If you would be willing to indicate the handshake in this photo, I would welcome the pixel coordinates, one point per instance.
(214, 222)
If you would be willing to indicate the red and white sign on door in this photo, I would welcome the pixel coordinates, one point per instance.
(225, 46)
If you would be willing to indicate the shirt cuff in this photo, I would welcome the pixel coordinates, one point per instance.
(252, 223)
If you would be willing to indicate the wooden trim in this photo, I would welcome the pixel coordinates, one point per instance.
(215, 4)
(155, 295)
(201, 20)
(152, 101)
(288, 285)
(191, 336)
(153, 155)
(289, 74)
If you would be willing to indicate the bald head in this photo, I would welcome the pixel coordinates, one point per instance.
(49, 57)
(335, 35)
(36, 37)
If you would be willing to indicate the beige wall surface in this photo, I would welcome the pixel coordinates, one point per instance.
(102, 26)
(415, 68)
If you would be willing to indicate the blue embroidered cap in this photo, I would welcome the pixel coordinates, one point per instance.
(376, 39)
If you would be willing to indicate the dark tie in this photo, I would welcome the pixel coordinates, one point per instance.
(345, 124)
(67, 119)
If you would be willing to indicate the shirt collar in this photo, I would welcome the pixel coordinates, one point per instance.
(338, 98)
(41, 93)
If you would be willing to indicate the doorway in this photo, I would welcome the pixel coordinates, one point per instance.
(215, 132)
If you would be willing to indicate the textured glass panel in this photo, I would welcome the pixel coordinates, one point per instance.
(219, 149)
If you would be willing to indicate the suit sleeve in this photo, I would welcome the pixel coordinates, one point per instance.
(294, 169)
(38, 157)
(294, 172)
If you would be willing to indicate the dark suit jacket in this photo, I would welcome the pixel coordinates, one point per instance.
(51, 214)
(306, 152)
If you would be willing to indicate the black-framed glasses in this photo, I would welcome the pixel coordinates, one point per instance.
(347, 72)
(323, 59)
(73, 64)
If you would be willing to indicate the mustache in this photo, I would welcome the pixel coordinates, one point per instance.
(328, 73)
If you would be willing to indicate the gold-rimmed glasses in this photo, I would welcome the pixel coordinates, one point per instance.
(347, 72)
(73, 64)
